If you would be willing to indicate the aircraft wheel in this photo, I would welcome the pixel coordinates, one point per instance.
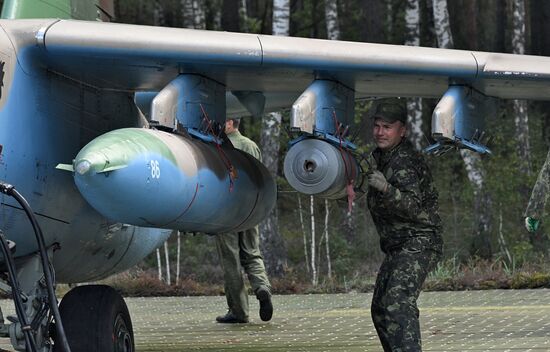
(96, 318)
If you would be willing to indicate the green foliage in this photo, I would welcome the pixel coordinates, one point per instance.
(354, 251)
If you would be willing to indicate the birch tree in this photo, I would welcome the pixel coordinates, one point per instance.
(272, 243)
(414, 105)
(193, 14)
(521, 118)
(273, 247)
(482, 204)
(178, 258)
(159, 264)
(304, 235)
(243, 15)
(327, 242)
(167, 258)
(314, 278)
(331, 19)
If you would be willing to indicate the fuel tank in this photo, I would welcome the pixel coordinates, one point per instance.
(152, 178)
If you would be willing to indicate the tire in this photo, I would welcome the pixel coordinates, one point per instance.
(95, 319)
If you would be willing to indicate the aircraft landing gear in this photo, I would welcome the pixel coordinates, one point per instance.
(96, 318)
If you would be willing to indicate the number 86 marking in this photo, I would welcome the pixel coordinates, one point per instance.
(155, 169)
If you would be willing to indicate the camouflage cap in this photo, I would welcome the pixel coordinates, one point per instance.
(391, 110)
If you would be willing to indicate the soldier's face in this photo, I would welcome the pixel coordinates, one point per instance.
(229, 127)
(388, 135)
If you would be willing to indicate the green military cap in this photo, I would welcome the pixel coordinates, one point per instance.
(391, 110)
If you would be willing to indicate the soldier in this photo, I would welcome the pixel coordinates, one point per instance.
(404, 206)
(241, 250)
(538, 199)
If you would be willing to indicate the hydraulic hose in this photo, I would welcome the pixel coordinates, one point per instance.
(25, 327)
(11, 191)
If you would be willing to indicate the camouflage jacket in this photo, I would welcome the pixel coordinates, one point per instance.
(409, 209)
(540, 193)
(245, 144)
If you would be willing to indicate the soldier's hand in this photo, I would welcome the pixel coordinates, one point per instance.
(531, 224)
(378, 181)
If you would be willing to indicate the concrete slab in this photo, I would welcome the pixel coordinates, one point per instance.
(498, 320)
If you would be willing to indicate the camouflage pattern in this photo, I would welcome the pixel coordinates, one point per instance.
(410, 206)
(400, 278)
(241, 250)
(539, 195)
(407, 220)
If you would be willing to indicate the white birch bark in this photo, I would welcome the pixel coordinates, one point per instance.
(187, 14)
(281, 17)
(481, 244)
(441, 24)
(521, 119)
(193, 14)
(306, 256)
(167, 258)
(414, 105)
(331, 19)
(327, 242)
(243, 15)
(312, 217)
(272, 243)
(159, 264)
(178, 259)
(199, 19)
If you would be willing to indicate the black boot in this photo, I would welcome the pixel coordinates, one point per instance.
(266, 307)
(230, 318)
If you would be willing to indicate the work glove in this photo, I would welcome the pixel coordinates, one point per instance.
(378, 181)
(531, 224)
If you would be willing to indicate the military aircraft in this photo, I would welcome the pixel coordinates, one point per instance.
(111, 137)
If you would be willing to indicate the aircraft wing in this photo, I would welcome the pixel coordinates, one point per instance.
(145, 58)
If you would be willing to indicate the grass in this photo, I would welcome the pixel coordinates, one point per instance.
(449, 275)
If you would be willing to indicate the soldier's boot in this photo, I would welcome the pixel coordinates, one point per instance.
(231, 318)
(266, 307)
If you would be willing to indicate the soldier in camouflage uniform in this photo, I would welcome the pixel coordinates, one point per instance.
(538, 199)
(241, 250)
(404, 206)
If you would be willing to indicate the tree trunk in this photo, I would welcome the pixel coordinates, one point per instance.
(243, 15)
(481, 245)
(159, 264)
(178, 259)
(312, 217)
(230, 15)
(327, 242)
(281, 17)
(414, 105)
(158, 14)
(167, 258)
(520, 106)
(482, 204)
(372, 29)
(187, 14)
(331, 19)
(300, 209)
(273, 247)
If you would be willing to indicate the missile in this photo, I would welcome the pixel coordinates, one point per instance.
(151, 178)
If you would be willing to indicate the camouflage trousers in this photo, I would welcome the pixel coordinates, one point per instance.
(394, 311)
(238, 251)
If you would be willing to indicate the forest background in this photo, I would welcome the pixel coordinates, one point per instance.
(314, 245)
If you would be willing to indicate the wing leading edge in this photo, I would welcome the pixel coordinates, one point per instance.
(134, 58)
